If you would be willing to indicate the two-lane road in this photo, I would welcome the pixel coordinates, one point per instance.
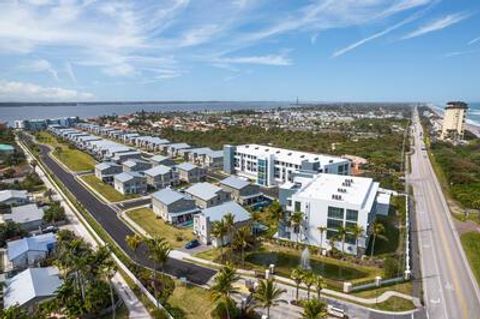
(450, 290)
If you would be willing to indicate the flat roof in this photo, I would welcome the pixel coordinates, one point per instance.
(286, 155)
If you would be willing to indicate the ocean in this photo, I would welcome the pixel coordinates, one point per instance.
(10, 114)
(473, 113)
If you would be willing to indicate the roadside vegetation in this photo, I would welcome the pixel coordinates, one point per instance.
(377, 140)
(146, 219)
(107, 191)
(73, 158)
(471, 244)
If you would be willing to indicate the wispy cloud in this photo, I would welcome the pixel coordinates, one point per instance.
(272, 59)
(473, 41)
(40, 65)
(23, 91)
(460, 53)
(437, 25)
(70, 72)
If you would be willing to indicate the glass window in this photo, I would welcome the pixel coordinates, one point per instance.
(331, 233)
(352, 215)
(334, 223)
(335, 212)
(350, 224)
(350, 239)
(298, 206)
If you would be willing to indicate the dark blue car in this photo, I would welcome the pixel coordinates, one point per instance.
(192, 244)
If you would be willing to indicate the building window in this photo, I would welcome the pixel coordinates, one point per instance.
(352, 215)
(298, 206)
(350, 224)
(334, 223)
(335, 212)
(331, 233)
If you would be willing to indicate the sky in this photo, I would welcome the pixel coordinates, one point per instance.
(326, 50)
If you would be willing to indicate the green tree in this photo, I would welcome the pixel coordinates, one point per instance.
(309, 281)
(158, 250)
(54, 213)
(319, 284)
(275, 211)
(314, 309)
(377, 231)
(322, 230)
(297, 276)
(219, 231)
(222, 289)
(243, 240)
(14, 312)
(342, 233)
(268, 295)
(356, 232)
(134, 241)
(296, 221)
(10, 230)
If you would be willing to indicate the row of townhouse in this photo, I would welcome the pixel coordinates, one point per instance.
(204, 203)
(203, 157)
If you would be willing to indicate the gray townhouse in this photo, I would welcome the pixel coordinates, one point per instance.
(173, 207)
(190, 173)
(161, 176)
(12, 197)
(130, 183)
(106, 170)
(28, 251)
(161, 160)
(207, 195)
(135, 165)
(241, 191)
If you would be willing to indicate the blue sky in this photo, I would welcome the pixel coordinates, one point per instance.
(327, 50)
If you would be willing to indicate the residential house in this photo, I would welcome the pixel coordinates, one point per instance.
(173, 206)
(106, 170)
(12, 197)
(161, 176)
(130, 183)
(29, 217)
(161, 160)
(207, 195)
(203, 222)
(28, 251)
(190, 173)
(135, 165)
(242, 191)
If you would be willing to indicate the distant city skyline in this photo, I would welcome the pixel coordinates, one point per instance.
(240, 50)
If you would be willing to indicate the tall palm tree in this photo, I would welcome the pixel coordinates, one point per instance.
(297, 276)
(322, 230)
(108, 270)
(314, 309)
(255, 217)
(134, 241)
(223, 288)
(309, 281)
(229, 220)
(356, 232)
(276, 212)
(319, 284)
(158, 250)
(296, 221)
(242, 237)
(377, 231)
(268, 295)
(219, 230)
(342, 233)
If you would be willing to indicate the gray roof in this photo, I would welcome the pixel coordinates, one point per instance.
(168, 196)
(42, 242)
(124, 177)
(30, 284)
(203, 190)
(158, 158)
(105, 165)
(185, 166)
(179, 145)
(11, 193)
(134, 161)
(24, 214)
(158, 170)
(234, 182)
(216, 213)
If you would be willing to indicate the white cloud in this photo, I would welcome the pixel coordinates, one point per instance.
(70, 72)
(40, 65)
(473, 41)
(437, 25)
(23, 91)
(272, 59)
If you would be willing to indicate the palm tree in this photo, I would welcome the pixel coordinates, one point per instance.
(319, 284)
(133, 241)
(322, 230)
(229, 220)
(309, 281)
(268, 295)
(255, 217)
(356, 232)
(108, 270)
(242, 237)
(219, 230)
(48, 193)
(297, 276)
(342, 232)
(222, 289)
(314, 309)
(158, 249)
(296, 221)
(377, 231)
(34, 164)
(276, 212)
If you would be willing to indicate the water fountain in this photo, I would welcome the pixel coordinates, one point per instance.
(305, 259)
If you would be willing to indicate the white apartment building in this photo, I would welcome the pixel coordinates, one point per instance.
(453, 126)
(269, 166)
(330, 201)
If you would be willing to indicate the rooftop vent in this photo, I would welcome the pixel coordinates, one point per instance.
(277, 152)
(302, 156)
(289, 154)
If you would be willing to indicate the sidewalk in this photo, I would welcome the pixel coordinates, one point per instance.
(136, 309)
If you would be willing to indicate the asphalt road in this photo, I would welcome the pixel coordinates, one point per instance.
(109, 220)
(450, 290)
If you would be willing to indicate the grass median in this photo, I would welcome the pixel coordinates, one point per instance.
(146, 219)
(106, 190)
(191, 301)
(471, 245)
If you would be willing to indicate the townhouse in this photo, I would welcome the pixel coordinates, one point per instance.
(242, 191)
(207, 195)
(173, 207)
(190, 173)
(130, 183)
(161, 176)
(106, 170)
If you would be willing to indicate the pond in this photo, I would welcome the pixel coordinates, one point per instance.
(284, 263)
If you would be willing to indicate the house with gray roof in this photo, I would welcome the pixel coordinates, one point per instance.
(204, 157)
(190, 173)
(122, 157)
(203, 222)
(161, 160)
(106, 170)
(207, 195)
(12, 197)
(161, 176)
(135, 165)
(172, 149)
(28, 251)
(173, 207)
(31, 287)
(242, 191)
(29, 217)
(130, 183)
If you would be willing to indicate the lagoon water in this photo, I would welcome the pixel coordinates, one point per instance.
(10, 114)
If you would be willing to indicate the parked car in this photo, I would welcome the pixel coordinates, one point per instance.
(50, 229)
(192, 244)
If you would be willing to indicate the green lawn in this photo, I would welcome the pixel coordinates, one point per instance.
(191, 302)
(74, 159)
(405, 287)
(395, 303)
(146, 218)
(471, 245)
(107, 191)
